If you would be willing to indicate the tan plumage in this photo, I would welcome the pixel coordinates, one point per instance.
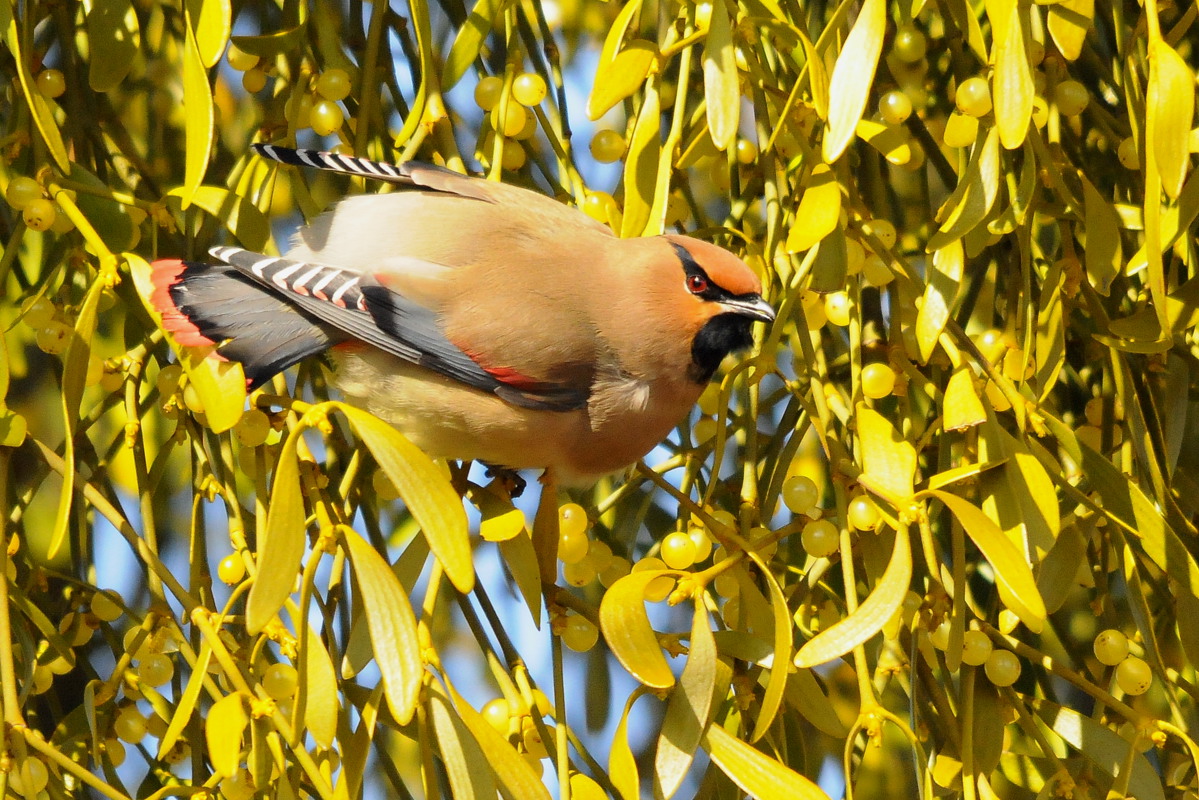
(589, 340)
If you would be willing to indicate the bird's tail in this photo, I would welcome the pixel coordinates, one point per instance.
(214, 305)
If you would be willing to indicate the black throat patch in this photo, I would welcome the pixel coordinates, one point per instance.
(723, 334)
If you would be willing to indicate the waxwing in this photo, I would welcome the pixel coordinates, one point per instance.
(484, 320)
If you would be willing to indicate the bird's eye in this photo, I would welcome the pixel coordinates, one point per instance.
(697, 284)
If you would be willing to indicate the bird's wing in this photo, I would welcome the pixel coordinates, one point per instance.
(362, 307)
(428, 177)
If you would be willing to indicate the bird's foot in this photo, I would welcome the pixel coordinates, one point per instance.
(510, 479)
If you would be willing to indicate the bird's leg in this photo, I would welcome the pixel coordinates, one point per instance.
(509, 478)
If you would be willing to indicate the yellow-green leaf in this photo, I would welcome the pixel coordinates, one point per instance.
(1170, 105)
(187, 701)
(212, 21)
(1103, 747)
(463, 759)
(317, 690)
(197, 96)
(780, 660)
(805, 695)
(619, 78)
(596, 107)
(511, 769)
(890, 140)
(42, 109)
(888, 460)
(223, 730)
(1013, 577)
(722, 83)
(830, 264)
(1104, 252)
(1020, 495)
(974, 196)
(819, 210)
(522, 562)
(1069, 21)
(269, 45)
(870, 616)
(641, 165)
(853, 75)
(74, 374)
(281, 541)
(689, 709)
(113, 38)
(622, 766)
(817, 75)
(392, 627)
(1014, 89)
(425, 490)
(944, 278)
(626, 628)
(756, 773)
(470, 38)
(961, 408)
(241, 217)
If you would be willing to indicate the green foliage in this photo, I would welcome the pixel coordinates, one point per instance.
(963, 450)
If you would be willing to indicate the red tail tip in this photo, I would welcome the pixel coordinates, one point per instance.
(164, 274)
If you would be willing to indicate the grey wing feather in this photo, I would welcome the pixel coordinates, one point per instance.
(359, 306)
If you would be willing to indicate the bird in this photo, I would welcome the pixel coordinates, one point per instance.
(485, 321)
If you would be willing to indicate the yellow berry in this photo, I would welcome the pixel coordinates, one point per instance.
(238, 787)
(909, 44)
(54, 338)
(1126, 152)
(894, 107)
(529, 89)
(607, 146)
(800, 494)
(513, 120)
(572, 545)
(1002, 668)
(677, 550)
(280, 681)
(1071, 98)
(702, 542)
(976, 648)
(253, 427)
(881, 229)
(326, 117)
(876, 272)
(579, 634)
(820, 538)
(1134, 676)
(106, 605)
(333, 84)
(51, 83)
(878, 380)
(488, 92)
(130, 725)
(1111, 647)
(39, 214)
(579, 574)
(156, 669)
(253, 80)
(231, 569)
(837, 308)
(599, 206)
(974, 97)
(746, 152)
(863, 513)
(497, 714)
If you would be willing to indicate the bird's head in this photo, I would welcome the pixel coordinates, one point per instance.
(721, 296)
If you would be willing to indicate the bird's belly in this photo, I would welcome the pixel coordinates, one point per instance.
(449, 420)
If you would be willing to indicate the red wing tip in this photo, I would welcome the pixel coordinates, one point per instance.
(165, 273)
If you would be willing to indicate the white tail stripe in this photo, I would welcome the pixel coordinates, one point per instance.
(298, 286)
(259, 266)
(280, 277)
(325, 281)
(341, 290)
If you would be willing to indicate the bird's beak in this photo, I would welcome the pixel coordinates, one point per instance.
(751, 305)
